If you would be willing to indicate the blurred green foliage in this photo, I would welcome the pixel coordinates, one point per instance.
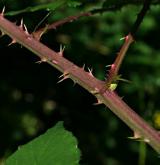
(32, 101)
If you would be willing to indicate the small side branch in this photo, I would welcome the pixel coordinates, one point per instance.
(37, 34)
(113, 72)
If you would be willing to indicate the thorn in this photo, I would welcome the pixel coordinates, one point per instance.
(74, 82)
(90, 72)
(95, 91)
(12, 42)
(43, 59)
(111, 68)
(38, 34)
(83, 67)
(146, 140)
(124, 38)
(2, 34)
(107, 66)
(3, 10)
(138, 137)
(64, 76)
(61, 50)
(25, 29)
(21, 24)
(98, 102)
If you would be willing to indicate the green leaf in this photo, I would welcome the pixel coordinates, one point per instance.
(56, 147)
(49, 6)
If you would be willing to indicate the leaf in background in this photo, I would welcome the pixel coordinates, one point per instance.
(73, 3)
(113, 3)
(121, 3)
(108, 3)
(56, 147)
(49, 6)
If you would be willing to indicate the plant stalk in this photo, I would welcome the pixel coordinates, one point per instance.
(84, 79)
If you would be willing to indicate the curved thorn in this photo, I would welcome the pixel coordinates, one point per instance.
(12, 42)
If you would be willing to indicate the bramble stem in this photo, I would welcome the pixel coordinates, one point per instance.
(84, 79)
(121, 54)
(113, 72)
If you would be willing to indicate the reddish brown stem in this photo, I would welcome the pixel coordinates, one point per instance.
(121, 54)
(37, 34)
(86, 80)
(113, 72)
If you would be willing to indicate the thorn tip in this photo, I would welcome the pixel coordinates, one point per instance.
(61, 50)
(98, 102)
(83, 67)
(95, 91)
(3, 10)
(90, 72)
(25, 29)
(21, 24)
(12, 42)
(64, 76)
